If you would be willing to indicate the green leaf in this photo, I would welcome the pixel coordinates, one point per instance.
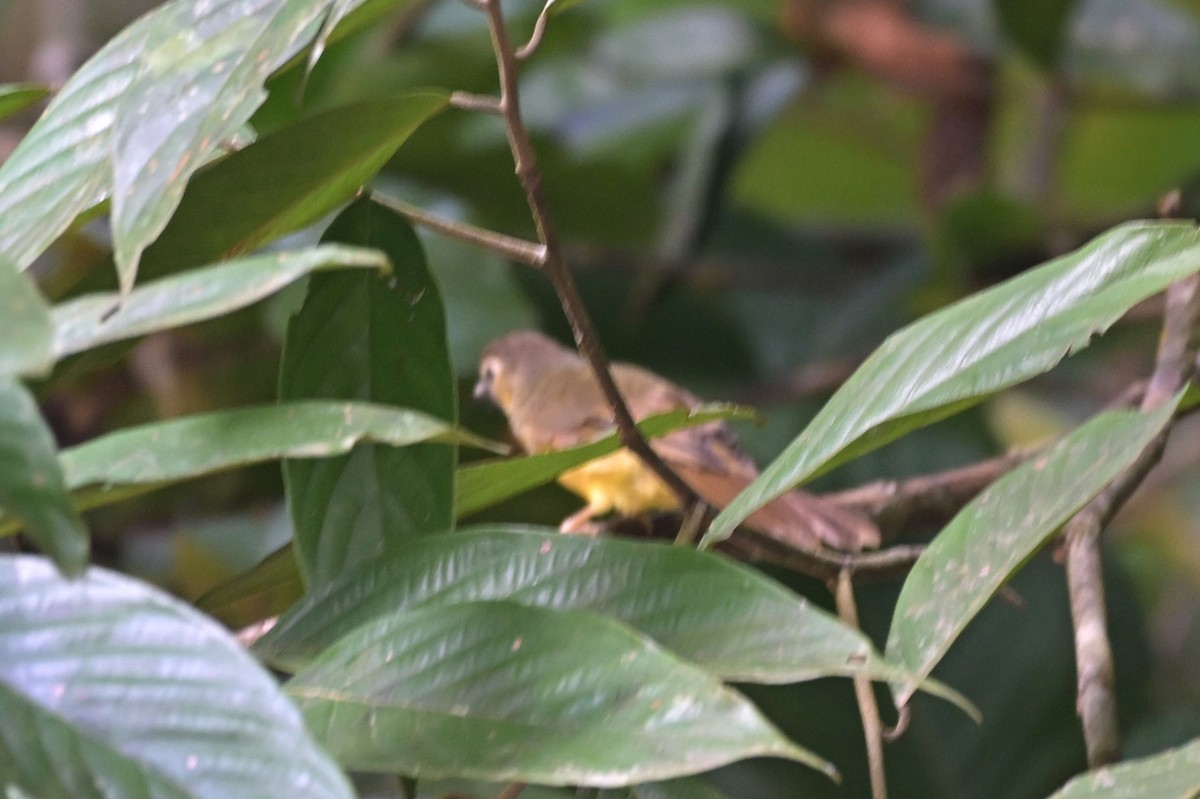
(194, 296)
(1002, 528)
(954, 358)
(179, 449)
(109, 687)
(361, 338)
(1174, 774)
(277, 574)
(481, 485)
(1038, 28)
(60, 168)
(140, 459)
(500, 691)
(26, 348)
(200, 76)
(16, 97)
(287, 180)
(724, 616)
(32, 487)
(64, 165)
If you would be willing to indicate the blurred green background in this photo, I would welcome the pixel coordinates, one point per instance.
(754, 194)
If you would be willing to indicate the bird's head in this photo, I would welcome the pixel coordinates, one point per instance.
(511, 367)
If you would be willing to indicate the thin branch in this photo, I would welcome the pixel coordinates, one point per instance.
(864, 693)
(475, 102)
(754, 547)
(510, 247)
(554, 263)
(1096, 699)
(539, 30)
(926, 500)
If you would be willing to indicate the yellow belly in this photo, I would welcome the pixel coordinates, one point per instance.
(619, 482)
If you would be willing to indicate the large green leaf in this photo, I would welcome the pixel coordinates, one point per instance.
(954, 358)
(361, 338)
(481, 485)
(286, 180)
(501, 691)
(705, 608)
(16, 97)
(32, 487)
(179, 449)
(195, 295)
(65, 164)
(1174, 774)
(139, 459)
(61, 167)
(27, 345)
(109, 687)
(999, 530)
(200, 75)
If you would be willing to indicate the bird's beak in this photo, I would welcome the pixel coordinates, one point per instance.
(482, 390)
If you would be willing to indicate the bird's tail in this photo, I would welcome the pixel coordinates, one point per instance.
(799, 520)
(806, 522)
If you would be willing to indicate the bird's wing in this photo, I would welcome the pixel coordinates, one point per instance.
(708, 459)
(568, 410)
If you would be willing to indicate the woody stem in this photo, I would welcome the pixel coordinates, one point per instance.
(554, 262)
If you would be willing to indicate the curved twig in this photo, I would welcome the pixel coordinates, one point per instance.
(539, 30)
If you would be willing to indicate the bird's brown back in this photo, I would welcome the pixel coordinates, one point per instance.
(553, 402)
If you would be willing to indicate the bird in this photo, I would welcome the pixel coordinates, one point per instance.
(552, 401)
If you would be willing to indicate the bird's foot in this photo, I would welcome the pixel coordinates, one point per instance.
(581, 523)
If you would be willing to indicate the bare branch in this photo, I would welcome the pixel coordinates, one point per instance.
(554, 263)
(539, 30)
(476, 102)
(508, 246)
(863, 693)
(926, 500)
(1096, 699)
(755, 547)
